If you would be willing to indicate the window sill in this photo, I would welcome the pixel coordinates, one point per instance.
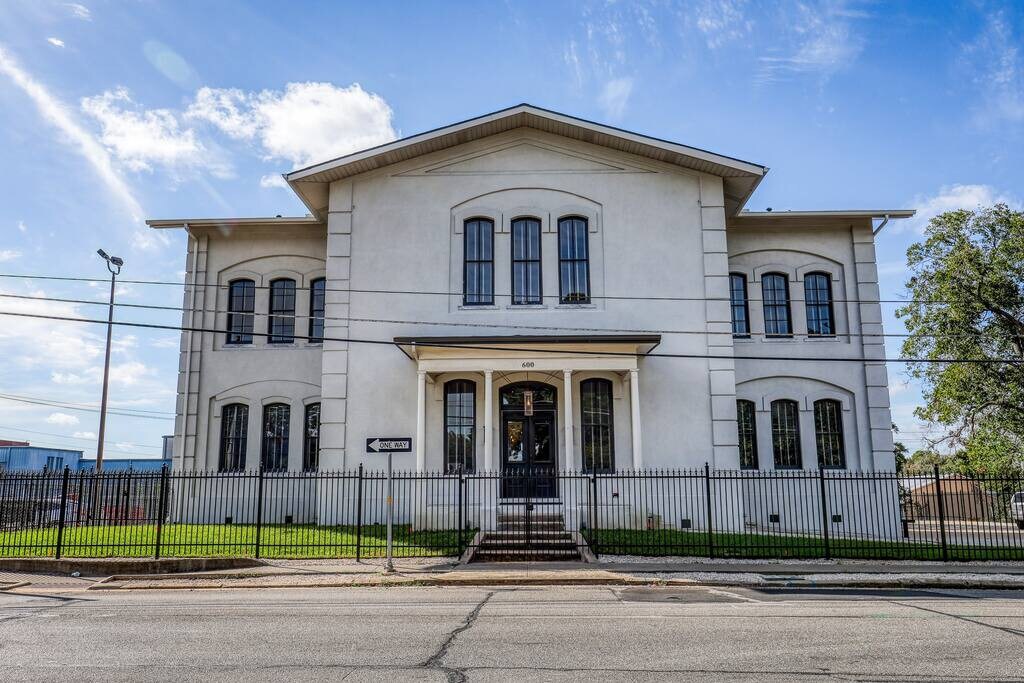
(478, 307)
(525, 307)
(571, 306)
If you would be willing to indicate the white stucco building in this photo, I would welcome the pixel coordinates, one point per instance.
(527, 288)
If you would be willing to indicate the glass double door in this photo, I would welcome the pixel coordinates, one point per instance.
(529, 454)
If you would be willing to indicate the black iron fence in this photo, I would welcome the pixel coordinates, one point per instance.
(529, 515)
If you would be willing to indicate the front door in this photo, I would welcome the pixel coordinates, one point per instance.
(529, 444)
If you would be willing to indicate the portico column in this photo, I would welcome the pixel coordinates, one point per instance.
(634, 406)
(488, 421)
(567, 409)
(421, 420)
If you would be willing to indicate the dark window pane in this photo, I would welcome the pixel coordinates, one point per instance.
(478, 276)
(317, 306)
(274, 454)
(459, 425)
(775, 292)
(311, 439)
(746, 424)
(241, 306)
(573, 261)
(828, 433)
(526, 282)
(818, 295)
(738, 301)
(282, 312)
(786, 435)
(597, 425)
(234, 424)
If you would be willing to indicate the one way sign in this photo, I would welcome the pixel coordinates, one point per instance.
(389, 444)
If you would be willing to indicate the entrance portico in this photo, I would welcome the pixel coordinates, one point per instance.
(561, 362)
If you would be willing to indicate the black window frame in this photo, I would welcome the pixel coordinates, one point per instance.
(275, 445)
(739, 306)
(571, 263)
(317, 309)
(463, 423)
(241, 311)
(482, 268)
(792, 458)
(311, 438)
(527, 262)
(592, 430)
(281, 318)
(775, 306)
(817, 309)
(234, 431)
(746, 431)
(834, 434)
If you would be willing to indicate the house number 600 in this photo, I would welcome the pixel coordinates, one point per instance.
(528, 364)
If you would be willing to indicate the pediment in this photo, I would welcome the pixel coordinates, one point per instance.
(525, 157)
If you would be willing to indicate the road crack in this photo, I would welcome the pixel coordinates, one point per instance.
(434, 662)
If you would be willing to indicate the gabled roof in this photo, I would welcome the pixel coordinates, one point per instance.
(740, 177)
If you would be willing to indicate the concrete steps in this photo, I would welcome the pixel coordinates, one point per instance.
(525, 536)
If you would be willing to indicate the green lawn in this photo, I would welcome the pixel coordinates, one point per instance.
(228, 540)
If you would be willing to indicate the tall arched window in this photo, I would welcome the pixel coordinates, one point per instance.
(311, 439)
(818, 295)
(738, 303)
(828, 434)
(573, 261)
(459, 425)
(746, 426)
(274, 453)
(241, 306)
(597, 434)
(775, 293)
(478, 259)
(786, 434)
(317, 305)
(526, 285)
(282, 311)
(234, 424)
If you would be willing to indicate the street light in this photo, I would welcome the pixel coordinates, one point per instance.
(114, 264)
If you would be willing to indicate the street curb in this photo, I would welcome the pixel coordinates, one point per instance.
(109, 566)
(12, 586)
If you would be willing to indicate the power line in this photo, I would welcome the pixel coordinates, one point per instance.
(52, 404)
(490, 347)
(76, 438)
(86, 405)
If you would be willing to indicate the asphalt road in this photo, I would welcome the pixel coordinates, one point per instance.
(507, 634)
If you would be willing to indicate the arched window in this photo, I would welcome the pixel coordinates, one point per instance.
(274, 454)
(311, 439)
(818, 295)
(573, 261)
(526, 286)
(241, 306)
(478, 259)
(775, 293)
(459, 425)
(597, 425)
(234, 424)
(786, 434)
(828, 434)
(282, 311)
(738, 302)
(317, 305)
(746, 425)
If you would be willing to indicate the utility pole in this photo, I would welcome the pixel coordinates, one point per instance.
(114, 264)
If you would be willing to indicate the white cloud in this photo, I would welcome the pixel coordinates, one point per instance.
(22, 228)
(949, 198)
(820, 41)
(56, 42)
(84, 435)
(126, 374)
(995, 65)
(141, 138)
(62, 419)
(54, 111)
(123, 446)
(79, 11)
(306, 123)
(59, 345)
(9, 255)
(615, 96)
(273, 180)
(721, 21)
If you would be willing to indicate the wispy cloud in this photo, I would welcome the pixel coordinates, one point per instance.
(993, 63)
(273, 180)
(721, 22)
(615, 96)
(79, 11)
(56, 42)
(73, 134)
(819, 41)
(9, 255)
(950, 198)
(22, 228)
(62, 419)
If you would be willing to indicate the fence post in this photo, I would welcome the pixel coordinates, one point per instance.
(594, 522)
(259, 511)
(161, 510)
(63, 509)
(707, 497)
(942, 513)
(359, 515)
(824, 513)
(462, 511)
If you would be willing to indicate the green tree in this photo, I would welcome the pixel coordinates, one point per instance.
(967, 286)
(899, 450)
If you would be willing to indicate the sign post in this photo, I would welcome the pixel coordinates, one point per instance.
(389, 445)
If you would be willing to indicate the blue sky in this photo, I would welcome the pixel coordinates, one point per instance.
(112, 112)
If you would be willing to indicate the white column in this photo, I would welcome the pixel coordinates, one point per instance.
(567, 409)
(421, 420)
(488, 421)
(634, 407)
